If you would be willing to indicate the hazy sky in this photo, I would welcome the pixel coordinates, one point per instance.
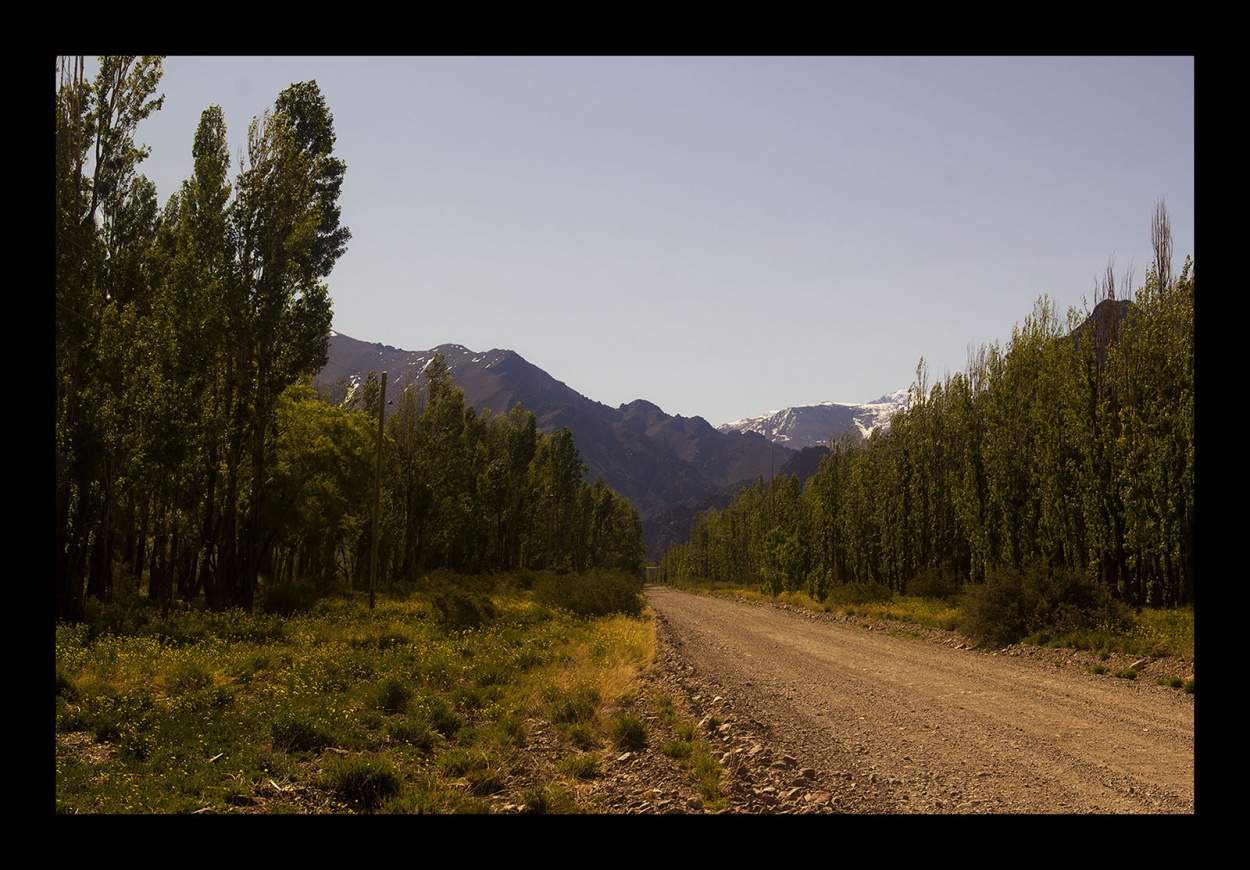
(723, 236)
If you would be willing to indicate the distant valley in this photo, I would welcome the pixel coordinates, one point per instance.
(668, 466)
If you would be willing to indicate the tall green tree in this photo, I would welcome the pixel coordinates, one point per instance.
(285, 228)
(104, 221)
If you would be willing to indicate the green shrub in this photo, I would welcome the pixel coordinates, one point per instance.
(442, 717)
(679, 749)
(860, 593)
(287, 599)
(189, 676)
(547, 800)
(934, 583)
(995, 613)
(363, 782)
(509, 728)
(392, 695)
(458, 605)
(1011, 605)
(416, 733)
(580, 766)
(137, 743)
(475, 766)
(295, 732)
(115, 715)
(595, 593)
(1126, 674)
(818, 582)
(627, 732)
(578, 705)
(69, 719)
(583, 736)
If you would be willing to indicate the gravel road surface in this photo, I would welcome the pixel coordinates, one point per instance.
(890, 723)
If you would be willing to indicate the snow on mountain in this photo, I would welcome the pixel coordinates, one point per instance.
(811, 425)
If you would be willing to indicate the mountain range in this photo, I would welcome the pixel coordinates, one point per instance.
(670, 467)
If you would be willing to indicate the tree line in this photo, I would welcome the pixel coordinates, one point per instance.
(1071, 448)
(192, 454)
(461, 491)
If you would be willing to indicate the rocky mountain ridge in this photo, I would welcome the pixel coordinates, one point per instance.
(670, 467)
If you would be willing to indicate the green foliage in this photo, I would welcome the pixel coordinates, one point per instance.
(548, 799)
(189, 676)
(178, 331)
(415, 732)
(1011, 605)
(201, 710)
(934, 583)
(1073, 445)
(364, 782)
(441, 716)
(860, 593)
(578, 705)
(627, 732)
(595, 593)
(120, 716)
(580, 766)
(393, 695)
(460, 607)
(299, 732)
(478, 768)
(288, 598)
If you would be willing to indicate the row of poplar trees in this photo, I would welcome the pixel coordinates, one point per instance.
(192, 457)
(1072, 447)
(474, 493)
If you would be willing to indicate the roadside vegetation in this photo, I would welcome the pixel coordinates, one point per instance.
(1015, 612)
(343, 709)
(1044, 495)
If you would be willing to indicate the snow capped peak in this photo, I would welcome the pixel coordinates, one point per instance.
(819, 424)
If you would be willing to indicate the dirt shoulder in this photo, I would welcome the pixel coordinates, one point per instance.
(815, 713)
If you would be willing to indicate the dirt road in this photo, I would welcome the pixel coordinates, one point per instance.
(896, 724)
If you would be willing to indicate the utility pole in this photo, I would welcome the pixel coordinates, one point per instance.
(377, 494)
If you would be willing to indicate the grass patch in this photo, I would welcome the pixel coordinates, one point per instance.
(295, 732)
(579, 705)
(393, 695)
(237, 713)
(692, 753)
(580, 766)
(364, 782)
(627, 731)
(548, 799)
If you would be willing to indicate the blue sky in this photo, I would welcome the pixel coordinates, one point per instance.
(723, 236)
